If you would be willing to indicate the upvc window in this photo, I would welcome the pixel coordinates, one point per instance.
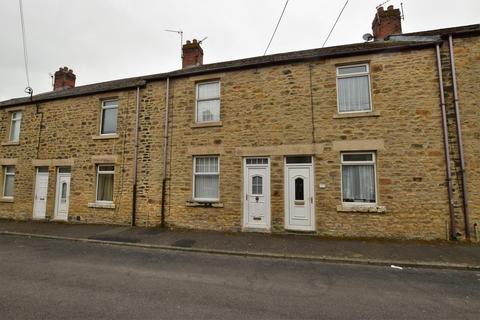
(358, 178)
(208, 102)
(8, 181)
(353, 88)
(206, 178)
(108, 122)
(15, 126)
(105, 174)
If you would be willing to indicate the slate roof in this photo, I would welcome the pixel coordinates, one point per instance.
(281, 58)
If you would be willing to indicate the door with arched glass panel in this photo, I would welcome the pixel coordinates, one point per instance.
(257, 193)
(299, 211)
(62, 200)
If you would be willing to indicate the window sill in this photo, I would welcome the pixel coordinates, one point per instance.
(361, 209)
(193, 203)
(6, 199)
(356, 115)
(105, 136)
(101, 205)
(206, 124)
(10, 143)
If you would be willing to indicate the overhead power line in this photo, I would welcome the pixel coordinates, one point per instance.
(28, 89)
(331, 30)
(276, 27)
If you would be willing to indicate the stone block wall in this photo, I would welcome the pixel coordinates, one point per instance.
(272, 111)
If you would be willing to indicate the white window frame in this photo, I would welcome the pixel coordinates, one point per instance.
(98, 180)
(14, 119)
(5, 174)
(351, 75)
(197, 86)
(205, 173)
(374, 162)
(104, 107)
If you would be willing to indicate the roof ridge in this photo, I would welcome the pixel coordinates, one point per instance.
(283, 57)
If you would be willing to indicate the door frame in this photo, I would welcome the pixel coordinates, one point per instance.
(57, 193)
(268, 214)
(311, 167)
(37, 173)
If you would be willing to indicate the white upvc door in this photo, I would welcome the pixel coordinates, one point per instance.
(62, 199)
(41, 191)
(256, 193)
(299, 197)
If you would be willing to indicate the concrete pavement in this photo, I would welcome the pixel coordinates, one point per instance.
(379, 252)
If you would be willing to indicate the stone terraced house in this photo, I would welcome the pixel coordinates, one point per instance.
(373, 139)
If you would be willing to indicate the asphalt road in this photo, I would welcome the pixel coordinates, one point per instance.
(52, 279)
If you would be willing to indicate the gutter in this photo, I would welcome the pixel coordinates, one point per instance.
(466, 215)
(165, 151)
(135, 158)
(453, 229)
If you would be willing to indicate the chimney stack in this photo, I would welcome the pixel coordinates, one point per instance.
(192, 54)
(64, 79)
(386, 23)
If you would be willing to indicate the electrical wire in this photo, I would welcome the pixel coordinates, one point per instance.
(331, 30)
(28, 89)
(276, 27)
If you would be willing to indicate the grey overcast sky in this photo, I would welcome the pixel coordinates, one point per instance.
(104, 40)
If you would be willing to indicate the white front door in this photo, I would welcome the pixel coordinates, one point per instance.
(256, 191)
(299, 195)
(62, 199)
(41, 191)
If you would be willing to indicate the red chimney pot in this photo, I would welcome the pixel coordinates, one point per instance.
(64, 79)
(192, 54)
(386, 23)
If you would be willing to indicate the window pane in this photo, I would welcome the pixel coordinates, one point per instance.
(106, 168)
(11, 169)
(64, 170)
(109, 121)
(113, 103)
(64, 192)
(299, 191)
(206, 165)
(354, 69)
(257, 161)
(105, 187)
(257, 185)
(42, 169)
(208, 90)
(358, 182)
(353, 94)
(299, 159)
(15, 130)
(206, 186)
(208, 110)
(9, 185)
(358, 157)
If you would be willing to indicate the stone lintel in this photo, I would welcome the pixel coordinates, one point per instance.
(281, 150)
(205, 150)
(358, 145)
(104, 159)
(8, 162)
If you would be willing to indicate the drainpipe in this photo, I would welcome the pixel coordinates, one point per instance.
(135, 159)
(466, 217)
(453, 231)
(165, 152)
